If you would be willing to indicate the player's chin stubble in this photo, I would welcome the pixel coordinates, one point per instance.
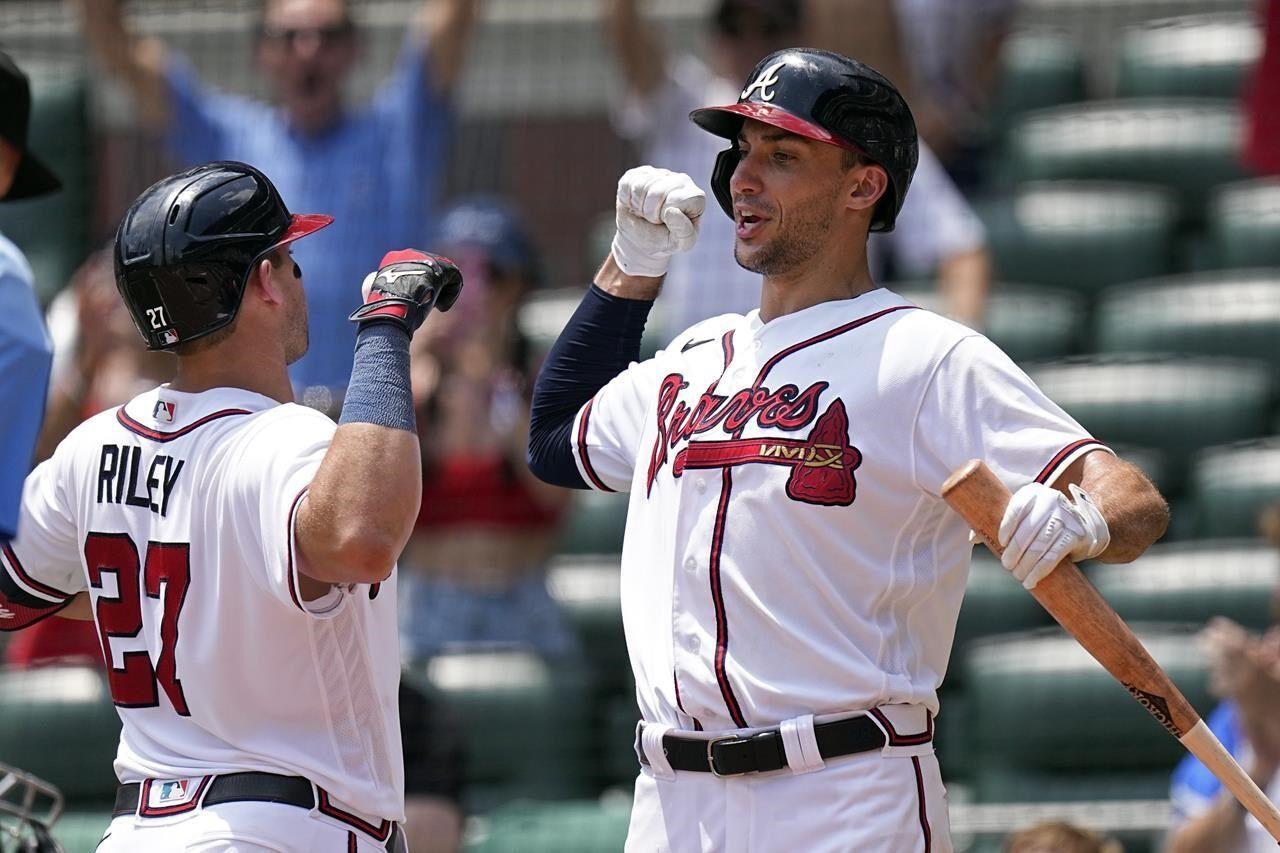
(804, 230)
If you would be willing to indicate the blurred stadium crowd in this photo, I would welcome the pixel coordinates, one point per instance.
(1100, 195)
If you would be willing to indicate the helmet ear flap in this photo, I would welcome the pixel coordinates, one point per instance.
(726, 162)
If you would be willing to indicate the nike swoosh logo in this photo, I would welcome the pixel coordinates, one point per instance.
(691, 344)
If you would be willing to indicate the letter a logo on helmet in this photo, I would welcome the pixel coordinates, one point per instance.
(829, 98)
(765, 83)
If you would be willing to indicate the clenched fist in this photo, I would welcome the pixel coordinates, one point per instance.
(406, 286)
(657, 215)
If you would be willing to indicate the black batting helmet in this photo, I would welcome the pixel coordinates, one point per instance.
(828, 97)
(186, 246)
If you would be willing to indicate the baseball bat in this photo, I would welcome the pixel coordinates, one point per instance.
(978, 495)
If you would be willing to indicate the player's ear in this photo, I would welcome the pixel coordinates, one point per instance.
(263, 284)
(865, 184)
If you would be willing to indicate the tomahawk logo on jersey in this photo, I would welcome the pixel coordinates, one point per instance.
(176, 512)
(785, 490)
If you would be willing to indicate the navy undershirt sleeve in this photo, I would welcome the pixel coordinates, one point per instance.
(599, 342)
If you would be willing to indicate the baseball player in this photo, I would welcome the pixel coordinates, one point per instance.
(791, 576)
(239, 550)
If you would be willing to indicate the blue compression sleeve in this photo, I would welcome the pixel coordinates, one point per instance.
(599, 342)
(379, 391)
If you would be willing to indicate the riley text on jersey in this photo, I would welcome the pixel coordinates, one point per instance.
(120, 468)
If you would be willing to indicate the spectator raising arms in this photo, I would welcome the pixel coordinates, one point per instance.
(390, 153)
(937, 234)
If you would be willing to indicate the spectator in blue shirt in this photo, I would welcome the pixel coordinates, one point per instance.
(1245, 671)
(25, 350)
(377, 167)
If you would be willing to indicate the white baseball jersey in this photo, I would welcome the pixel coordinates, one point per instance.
(787, 549)
(176, 513)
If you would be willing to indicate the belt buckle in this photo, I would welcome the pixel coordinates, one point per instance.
(711, 755)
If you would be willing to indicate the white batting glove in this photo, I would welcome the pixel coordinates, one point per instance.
(657, 214)
(1042, 527)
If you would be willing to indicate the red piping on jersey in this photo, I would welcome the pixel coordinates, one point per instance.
(717, 541)
(12, 559)
(582, 449)
(292, 578)
(381, 832)
(830, 333)
(896, 739)
(924, 811)
(1044, 475)
(155, 435)
(351, 842)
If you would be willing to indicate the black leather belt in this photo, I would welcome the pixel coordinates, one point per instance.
(244, 787)
(763, 752)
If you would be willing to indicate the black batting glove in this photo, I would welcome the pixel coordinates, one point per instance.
(407, 285)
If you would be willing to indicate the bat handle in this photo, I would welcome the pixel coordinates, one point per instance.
(1201, 743)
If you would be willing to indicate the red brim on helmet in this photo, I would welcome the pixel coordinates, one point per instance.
(301, 225)
(727, 121)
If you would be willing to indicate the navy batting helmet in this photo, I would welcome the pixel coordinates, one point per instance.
(186, 246)
(828, 97)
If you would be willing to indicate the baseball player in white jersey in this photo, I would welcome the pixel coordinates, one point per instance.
(237, 550)
(791, 576)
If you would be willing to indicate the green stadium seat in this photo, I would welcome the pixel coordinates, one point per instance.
(1039, 68)
(1193, 582)
(581, 826)
(1188, 145)
(58, 723)
(994, 603)
(508, 702)
(55, 228)
(1244, 224)
(1047, 722)
(1081, 236)
(1218, 313)
(1192, 56)
(1231, 486)
(1027, 322)
(588, 589)
(546, 312)
(1173, 404)
(596, 523)
(1152, 462)
(80, 831)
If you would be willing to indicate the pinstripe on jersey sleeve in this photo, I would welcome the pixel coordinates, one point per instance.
(607, 430)
(980, 405)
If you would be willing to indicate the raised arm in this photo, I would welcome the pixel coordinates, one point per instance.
(638, 47)
(364, 499)
(658, 213)
(447, 26)
(136, 61)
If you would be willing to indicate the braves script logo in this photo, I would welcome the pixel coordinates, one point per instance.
(765, 83)
(822, 466)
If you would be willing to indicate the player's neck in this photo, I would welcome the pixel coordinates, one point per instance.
(820, 280)
(234, 367)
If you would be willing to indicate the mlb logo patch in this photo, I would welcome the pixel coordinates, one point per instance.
(169, 336)
(164, 794)
(164, 411)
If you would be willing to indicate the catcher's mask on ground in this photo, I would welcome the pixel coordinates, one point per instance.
(29, 807)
